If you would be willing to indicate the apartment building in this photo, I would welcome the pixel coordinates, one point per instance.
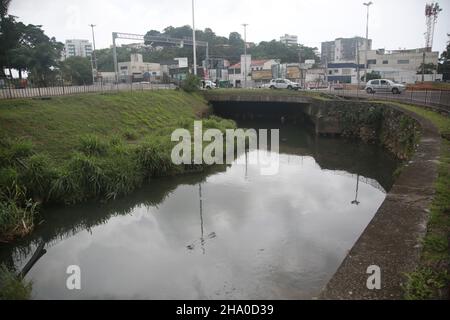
(289, 40)
(77, 48)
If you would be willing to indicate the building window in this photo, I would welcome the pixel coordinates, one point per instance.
(123, 68)
(403, 61)
(336, 71)
(372, 61)
(385, 62)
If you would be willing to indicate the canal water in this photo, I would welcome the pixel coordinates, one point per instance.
(229, 233)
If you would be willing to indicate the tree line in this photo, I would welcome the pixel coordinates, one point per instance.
(27, 49)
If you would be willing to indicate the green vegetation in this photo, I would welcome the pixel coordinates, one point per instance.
(74, 148)
(431, 280)
(191, 84)
(27, 48)
(76, 71)
(12, 287)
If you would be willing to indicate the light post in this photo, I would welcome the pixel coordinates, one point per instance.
(94, 59)
(245, 54)
(193, 39)
(367, 4)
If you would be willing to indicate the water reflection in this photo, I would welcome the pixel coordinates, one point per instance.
(227, 233)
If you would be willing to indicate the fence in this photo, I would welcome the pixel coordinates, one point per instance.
(10, 92)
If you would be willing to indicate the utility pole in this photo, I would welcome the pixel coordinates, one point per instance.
(193, 39)
(245, 54)
(94, 59)
(367, 4)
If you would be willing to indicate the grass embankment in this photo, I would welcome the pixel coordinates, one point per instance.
(432, 279)
(70, 149)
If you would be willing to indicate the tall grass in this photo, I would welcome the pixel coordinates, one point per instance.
(92, 145)
(17, 213)
(12, 287)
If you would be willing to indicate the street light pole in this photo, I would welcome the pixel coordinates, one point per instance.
(367, 4)
(245, 54)
(94, 59)
(193, 40)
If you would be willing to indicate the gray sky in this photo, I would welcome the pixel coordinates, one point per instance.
(393, 23)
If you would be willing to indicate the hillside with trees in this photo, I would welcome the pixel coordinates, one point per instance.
(229, 48)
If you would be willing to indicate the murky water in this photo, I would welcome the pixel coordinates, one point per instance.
(232, 233)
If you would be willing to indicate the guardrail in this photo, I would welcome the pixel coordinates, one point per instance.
(36, 92)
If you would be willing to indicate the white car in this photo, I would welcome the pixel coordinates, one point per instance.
(283, 84)
(208, 84)
(384, 85)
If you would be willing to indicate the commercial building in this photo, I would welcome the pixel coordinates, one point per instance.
(258, 71)
(344, 59)
(402, 65)
(77, 48)
(289, 40)
(138, 70)
(216, 69)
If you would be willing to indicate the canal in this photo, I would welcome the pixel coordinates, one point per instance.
(229, 233)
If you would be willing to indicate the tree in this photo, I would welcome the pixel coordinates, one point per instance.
(444, 63)
(76, 70)
(429, 68)
(372, 75)
(27, 48)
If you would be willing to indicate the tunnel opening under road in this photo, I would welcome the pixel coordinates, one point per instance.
(282, 112)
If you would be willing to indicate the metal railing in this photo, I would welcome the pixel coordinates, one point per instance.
(12, 92)
(439, 99)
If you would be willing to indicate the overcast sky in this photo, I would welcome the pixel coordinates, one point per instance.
(393, 23)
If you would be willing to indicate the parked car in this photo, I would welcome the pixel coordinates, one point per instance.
(283, 84)
(384, 85)
(208, 84)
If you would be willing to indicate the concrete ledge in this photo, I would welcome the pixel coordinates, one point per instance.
(392, 240)
(246, 97)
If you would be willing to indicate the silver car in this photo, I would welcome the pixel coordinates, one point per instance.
(283, 84)
(384, 85)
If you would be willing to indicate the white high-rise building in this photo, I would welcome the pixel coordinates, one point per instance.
(77, 48)
(289, 40)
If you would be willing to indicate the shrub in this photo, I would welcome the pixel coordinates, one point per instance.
(191, 83)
